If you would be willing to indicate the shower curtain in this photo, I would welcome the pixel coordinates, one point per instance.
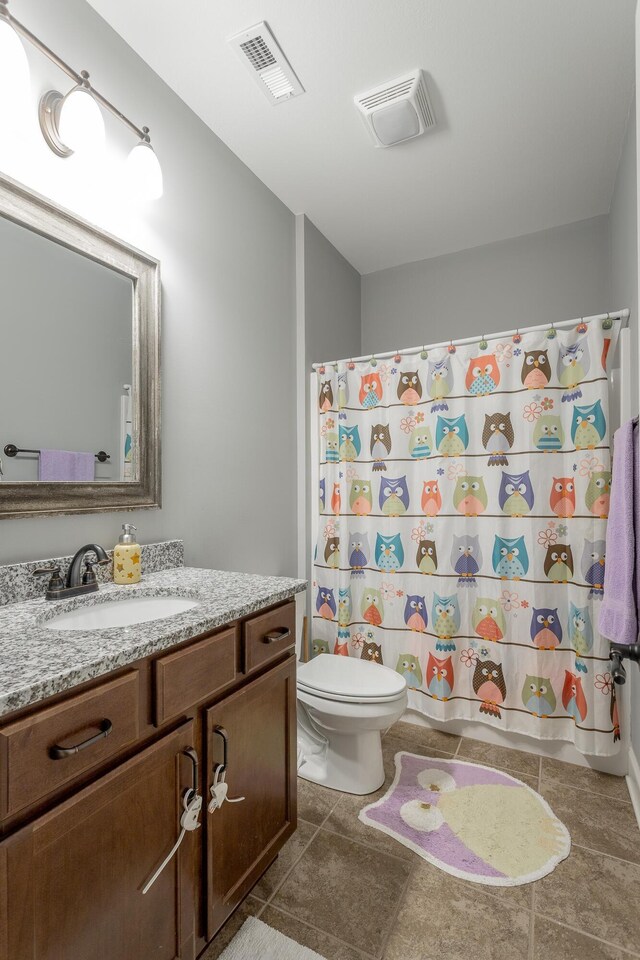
(463, 497)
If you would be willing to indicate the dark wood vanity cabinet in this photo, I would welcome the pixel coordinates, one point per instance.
(88, 835)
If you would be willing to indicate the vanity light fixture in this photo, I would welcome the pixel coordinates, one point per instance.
(74, 121)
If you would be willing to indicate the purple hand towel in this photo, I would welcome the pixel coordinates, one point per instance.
(619, 610)
(58, 465)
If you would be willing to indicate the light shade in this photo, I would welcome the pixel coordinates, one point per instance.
(80, 122)
(14, 66)
(144, 173)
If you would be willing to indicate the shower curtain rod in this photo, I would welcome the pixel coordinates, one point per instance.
(614, 315)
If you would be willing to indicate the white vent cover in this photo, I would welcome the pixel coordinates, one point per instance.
(266, 62)
(397, 111)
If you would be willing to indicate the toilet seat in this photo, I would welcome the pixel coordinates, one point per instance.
(349, 680)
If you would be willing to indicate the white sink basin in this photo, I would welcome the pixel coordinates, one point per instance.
(121, 613)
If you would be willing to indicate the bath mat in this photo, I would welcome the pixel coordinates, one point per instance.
(469, 820)
(256, 940)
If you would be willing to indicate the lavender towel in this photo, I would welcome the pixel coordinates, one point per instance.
(619, 610)
(66, 465)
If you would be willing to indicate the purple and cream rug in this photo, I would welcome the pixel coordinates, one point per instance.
(469, 820)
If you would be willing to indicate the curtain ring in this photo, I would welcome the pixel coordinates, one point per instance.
(607, 323)
(397, 358)
(373, 361)
(483, 343)
(451, 347)
(424, 354)
(321, 369)
(517, 337)
(351, 365)
(582, 327)
(552, 333)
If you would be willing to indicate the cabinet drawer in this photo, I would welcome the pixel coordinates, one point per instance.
(53, 746)
(193, 674)
(268, 635)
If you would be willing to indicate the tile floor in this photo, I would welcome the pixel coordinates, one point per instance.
(351, 893)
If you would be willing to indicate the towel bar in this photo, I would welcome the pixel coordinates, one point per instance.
(11, 450)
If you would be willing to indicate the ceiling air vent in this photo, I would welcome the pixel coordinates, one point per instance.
(397, 111)
(266, 62)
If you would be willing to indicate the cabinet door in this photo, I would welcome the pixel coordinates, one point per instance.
(71, 882)
(243, 838)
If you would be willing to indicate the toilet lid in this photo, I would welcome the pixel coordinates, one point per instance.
(349, 679)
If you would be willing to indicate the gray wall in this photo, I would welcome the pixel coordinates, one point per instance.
(624, 280)
(227, 250)
(552, 275)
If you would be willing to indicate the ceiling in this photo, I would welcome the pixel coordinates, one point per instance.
(531, 98)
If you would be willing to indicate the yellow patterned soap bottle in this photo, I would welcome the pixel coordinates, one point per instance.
(126, 557)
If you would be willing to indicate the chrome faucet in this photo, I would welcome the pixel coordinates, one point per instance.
(77, 582)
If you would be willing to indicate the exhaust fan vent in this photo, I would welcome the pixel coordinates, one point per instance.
(397, 111)
(258, 50)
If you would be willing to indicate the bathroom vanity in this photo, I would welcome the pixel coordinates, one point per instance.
(103, 733)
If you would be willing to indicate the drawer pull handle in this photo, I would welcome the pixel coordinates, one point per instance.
(274, 635)
(59, 753)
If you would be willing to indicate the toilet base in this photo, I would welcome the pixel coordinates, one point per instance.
(352, 764)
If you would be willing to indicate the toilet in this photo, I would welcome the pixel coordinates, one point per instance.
(344, 704)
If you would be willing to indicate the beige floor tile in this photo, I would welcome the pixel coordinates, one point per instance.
(601, 823)
(290, 853)
(315, 803)
(424, 736)
(582, 778)
(322, 943)
(346, 889)
(590, 892)
(553, 942)
(250, 908)
(441, 919)
(516, 761)
(392, 745)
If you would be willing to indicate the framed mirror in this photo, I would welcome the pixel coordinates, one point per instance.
(80, 374)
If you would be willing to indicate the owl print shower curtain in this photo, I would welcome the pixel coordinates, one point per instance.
(463, 500)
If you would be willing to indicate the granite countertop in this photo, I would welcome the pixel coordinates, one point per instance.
(37, 662)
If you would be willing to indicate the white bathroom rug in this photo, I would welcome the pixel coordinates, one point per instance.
(256, 941)
(469, 820)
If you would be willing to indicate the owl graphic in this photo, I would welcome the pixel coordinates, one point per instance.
(558, 562)
(431, 501)
(488, 620)
(380, 445)
(409, 388)
(415, 613)
(318, 647)
(573, 366)
(452, 436)
(573, 698)
(332, 454)
(371, 650)
(538, 696)
(408, 667)
(325, 400)
(440, 677)
(393, 497)
(372, 607)
(536, 369)
(349, 443)
(336, 500)
(580, 634)
(332, 552)
(548, 433)
(598, 493)
(370, 390)
(588, 426)
(497, 438)
(562, 499)
(389, 552)
(323, 494)
(593, 566)
(344, 613)
(466, 559)
(440, 383)
(341, 648)
(483, 375)
(359, 552)
(420, 443)
(510, 558)
(470, 496)
(427, 557)
(445, 621)
(326, 603)
(545, 629)
(516, 495)
(360, 497)
(343, 390)
(489, 685)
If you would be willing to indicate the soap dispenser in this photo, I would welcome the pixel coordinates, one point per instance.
(126, 557)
